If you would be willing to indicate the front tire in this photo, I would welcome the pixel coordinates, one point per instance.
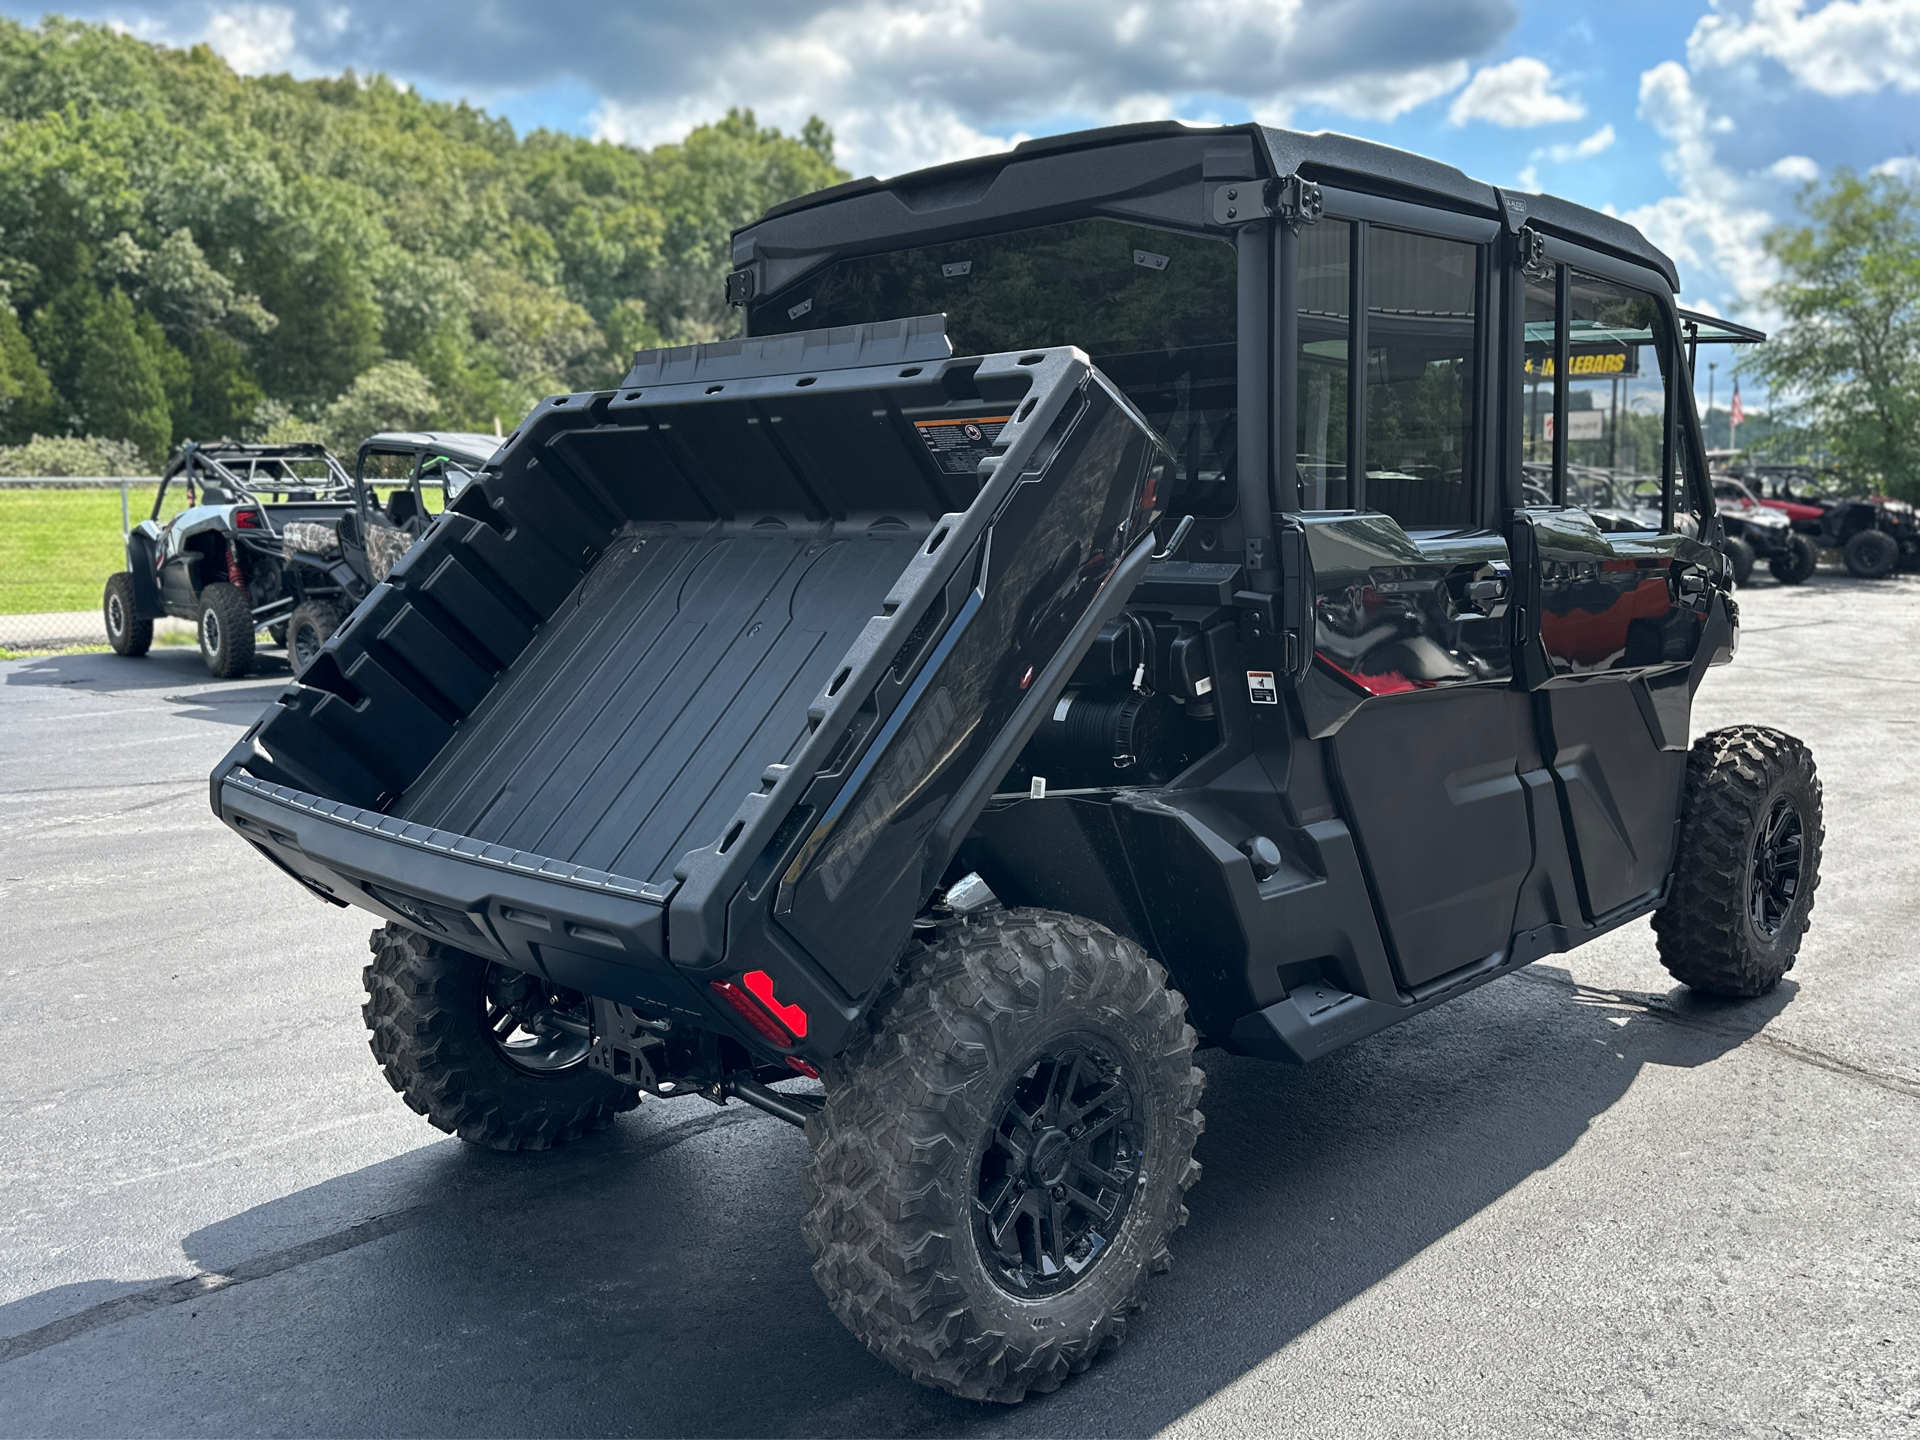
(1031, 1058)
(1797, 562)
(127, 632)
(464, 1043)
(226, 630)
(1741, 555)
(307, 630)
(1871, 554)
(1748, 863)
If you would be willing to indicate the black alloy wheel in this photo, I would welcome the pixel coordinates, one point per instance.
(536, 1027)
(1748, 863)
(1774, 874)
(1060, 1168)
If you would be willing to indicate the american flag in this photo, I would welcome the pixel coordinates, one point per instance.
(1734, 408)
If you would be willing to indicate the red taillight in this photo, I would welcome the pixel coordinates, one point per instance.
(247, 520)
(761, 984)
(766, 1025)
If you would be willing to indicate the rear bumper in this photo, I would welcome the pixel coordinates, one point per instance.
(580, 927)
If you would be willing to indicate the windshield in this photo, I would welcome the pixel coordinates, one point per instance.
(1154, 309)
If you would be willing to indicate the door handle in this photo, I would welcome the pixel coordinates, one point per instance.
(1483, 592)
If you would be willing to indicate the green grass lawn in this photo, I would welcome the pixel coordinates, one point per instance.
(57, 547)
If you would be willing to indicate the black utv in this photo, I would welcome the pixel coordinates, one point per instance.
(1754, 531)
(1874, 534)
(1094, 614)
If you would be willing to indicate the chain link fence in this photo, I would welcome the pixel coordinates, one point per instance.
(60, 538)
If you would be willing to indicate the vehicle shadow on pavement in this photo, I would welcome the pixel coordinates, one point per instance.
(173, 669)
(652, 1280)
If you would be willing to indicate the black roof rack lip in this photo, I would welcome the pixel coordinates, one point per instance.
(995, 160)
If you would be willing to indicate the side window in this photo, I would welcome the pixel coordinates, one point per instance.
(1616, 403)
(1421, 314)
(1387, 318)
(1538, 485)
(1321, 366)
(1614, 461)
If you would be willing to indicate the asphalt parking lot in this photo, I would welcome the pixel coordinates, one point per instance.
(1577, 1202)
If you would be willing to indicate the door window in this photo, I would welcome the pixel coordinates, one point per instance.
(1421, 313)
(1407, 448)
(1615, 460)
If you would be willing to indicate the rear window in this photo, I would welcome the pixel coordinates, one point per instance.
(1154, 309)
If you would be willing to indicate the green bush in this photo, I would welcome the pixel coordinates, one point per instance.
(68, 455)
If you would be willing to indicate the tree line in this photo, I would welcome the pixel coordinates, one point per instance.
(1844, 363)
(190, 253)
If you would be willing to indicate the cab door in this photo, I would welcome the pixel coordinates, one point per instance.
(1411, 680)
(1617, 582)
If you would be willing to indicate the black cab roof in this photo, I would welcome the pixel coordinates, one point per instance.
(1150, 173)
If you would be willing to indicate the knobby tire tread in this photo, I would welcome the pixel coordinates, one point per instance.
(423, 1015)
(1702, 932)
(136, 638)
(229, 602)
(894, 1150)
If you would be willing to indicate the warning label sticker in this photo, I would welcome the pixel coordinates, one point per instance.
(1260, 688)
(959, 445)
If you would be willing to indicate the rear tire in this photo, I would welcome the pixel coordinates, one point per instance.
(1741, 555)
(925, 1197)
(1871, 554)
(307, 630)
(428, 1008)
(1748, 863)
(226, 630)
(127, 632)
(1797, 562)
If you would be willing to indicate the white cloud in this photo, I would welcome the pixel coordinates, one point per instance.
(1847, 47)
(254, 39)
(1587, 149)
(1516, 93)
(1899, 167)
(902, 82)
(1718, 218)
(906, 85)
(1796, 168)
(1384, 95)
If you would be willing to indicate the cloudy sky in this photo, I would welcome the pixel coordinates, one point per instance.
(1696, 119)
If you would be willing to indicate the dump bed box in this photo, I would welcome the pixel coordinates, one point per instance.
(711, 674)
